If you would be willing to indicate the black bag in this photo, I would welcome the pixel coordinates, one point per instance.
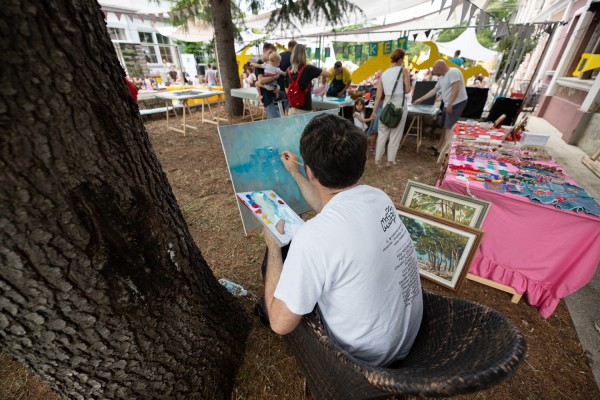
(390, 115)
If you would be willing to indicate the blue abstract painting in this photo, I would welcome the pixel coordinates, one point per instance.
(253, 151)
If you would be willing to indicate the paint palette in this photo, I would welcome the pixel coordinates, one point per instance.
(269, 209)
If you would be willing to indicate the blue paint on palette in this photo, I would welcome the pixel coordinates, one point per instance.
(253, 153)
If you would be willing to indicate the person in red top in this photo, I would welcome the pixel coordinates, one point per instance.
(132, 89)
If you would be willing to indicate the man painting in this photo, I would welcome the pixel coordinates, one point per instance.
(354, 259)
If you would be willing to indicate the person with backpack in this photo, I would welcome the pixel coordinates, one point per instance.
(299, 81)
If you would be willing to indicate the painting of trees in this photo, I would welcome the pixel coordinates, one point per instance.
(444, 249)
(443, 208)
(439, 250)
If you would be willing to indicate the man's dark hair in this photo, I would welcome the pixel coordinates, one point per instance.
(335, 150)
(291, 44)
(268, 46)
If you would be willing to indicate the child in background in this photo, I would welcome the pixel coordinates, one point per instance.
(271, 68)
(359, 114)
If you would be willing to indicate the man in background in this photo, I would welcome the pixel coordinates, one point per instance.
(339, 81)
(454, 96)
(268, 97)
(339, 84)
(212, 78)
(457, 59)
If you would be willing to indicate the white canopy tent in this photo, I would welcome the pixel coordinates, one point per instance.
(469, 47)
(382, 17)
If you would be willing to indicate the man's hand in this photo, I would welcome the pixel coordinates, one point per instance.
(449, 109)
(290, 161)
(272, 244)
(342, 94)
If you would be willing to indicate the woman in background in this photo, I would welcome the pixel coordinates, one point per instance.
(396, 73)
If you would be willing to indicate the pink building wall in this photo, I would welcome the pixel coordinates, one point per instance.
(561, 112)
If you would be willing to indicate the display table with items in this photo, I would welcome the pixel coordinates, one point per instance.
(542, 232)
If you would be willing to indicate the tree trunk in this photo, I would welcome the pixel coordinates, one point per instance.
(228, 68)
(103, 292)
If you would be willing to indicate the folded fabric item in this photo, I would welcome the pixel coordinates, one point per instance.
(564, 196)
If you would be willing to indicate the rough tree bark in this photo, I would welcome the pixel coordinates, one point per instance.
(103, 292)
(224, 40)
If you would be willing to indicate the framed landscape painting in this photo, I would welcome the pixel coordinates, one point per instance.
(444, 248)
(444, 204)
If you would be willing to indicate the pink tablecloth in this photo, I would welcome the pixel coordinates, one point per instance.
(536, 249)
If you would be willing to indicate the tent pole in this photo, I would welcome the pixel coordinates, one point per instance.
(500, 72)
(513, 65)
(535, 71)
(528, 40)
(515, 48)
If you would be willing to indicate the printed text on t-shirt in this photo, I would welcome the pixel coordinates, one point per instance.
(389, 218)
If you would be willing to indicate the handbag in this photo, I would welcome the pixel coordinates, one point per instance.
(390, 115)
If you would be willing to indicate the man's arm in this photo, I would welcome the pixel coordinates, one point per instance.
(453, 94)
(290, 161)
(282, 320)
(267, 79)
(426, 96)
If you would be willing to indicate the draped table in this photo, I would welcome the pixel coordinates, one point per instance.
(538, 249)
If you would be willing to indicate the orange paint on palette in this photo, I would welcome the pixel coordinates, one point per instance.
(264, 217)
(272, 194)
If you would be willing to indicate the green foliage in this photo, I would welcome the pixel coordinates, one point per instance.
(303, 11)
(203, 51)
(448, 35)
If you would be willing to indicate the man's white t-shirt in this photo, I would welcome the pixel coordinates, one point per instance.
(211, 77)
(357, 261)
(445, 83)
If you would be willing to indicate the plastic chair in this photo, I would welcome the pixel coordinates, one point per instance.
(461, 347)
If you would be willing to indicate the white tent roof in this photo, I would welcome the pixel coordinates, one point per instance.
(469, 47)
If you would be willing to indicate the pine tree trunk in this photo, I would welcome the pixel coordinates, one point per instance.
(103, 292)
(224, 40)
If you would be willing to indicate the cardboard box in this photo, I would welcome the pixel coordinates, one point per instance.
(534, 138)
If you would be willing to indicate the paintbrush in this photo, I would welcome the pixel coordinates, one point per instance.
(271, 149)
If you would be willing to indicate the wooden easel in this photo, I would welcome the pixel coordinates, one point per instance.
(516, 296)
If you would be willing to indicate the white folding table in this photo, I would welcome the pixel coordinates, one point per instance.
(184, 96)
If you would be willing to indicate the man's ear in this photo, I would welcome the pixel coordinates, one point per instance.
(309, 173)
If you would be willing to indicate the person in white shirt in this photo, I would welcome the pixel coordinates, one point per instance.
(355, 259)
(212, 78)
(248, 77)
(359, 114)
(454, 95)
(394, 84)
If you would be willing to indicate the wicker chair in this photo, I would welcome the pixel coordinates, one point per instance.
(462, 347)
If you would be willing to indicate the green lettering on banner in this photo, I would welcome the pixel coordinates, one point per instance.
(403, 42)
(358, 51)
(387, 46)
(327, 52)
(308, 52)
(373, 48)
(318, 52)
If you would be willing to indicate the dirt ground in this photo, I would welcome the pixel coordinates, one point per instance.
(556, 365)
